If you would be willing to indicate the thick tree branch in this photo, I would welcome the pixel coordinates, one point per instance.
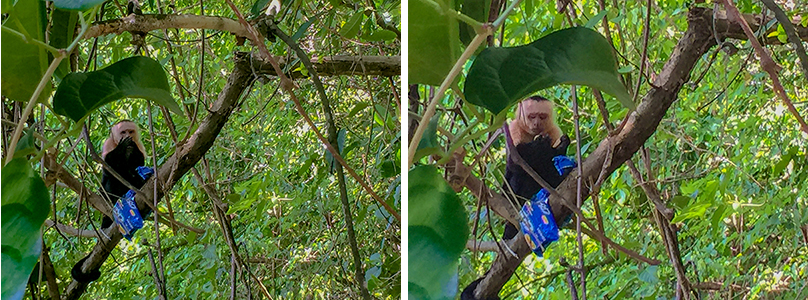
(341, 65)
(56, 170)
(728, 28)
(146, 23)
(325, 66)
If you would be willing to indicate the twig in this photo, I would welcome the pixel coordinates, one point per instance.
(161, 272)
(578, 194)
(288, 85)
(766, 63)
(791, 33)
(156, 274)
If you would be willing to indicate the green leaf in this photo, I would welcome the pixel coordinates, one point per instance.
(433, 42)
(340, 147)
(691, 212)
(649, 275)
(79, 94)
(477, 10)
(596, 19)
(62, 34)
(357, 108)
(302, 29)
(500, 77)
(437, 233)
(389, 168)
(680, 201)
(25, 146)
(784, 160)
(429, 141)
(351, 28)
(258, 7)
(380, 35)
(76, 4)
(25, 206)
(24, 64)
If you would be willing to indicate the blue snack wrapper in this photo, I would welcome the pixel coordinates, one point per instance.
(563, 164)
(125, 211)
(127, 215)
(146, 172)
(538, 224)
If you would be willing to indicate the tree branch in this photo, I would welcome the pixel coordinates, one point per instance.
(341, 65)
(146, 23)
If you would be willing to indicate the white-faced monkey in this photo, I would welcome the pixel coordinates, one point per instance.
(123, 152)
(537, 139)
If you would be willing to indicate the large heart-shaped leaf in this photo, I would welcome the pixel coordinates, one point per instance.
(136, 77)
(500, 77)
(25, 206)
(437, 234)
(433, 44)
(24, 64)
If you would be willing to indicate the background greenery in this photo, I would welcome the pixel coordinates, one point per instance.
(266, 164)
(728, 157)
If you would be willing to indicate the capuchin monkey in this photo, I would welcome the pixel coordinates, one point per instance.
(537, 139)
(123, 152)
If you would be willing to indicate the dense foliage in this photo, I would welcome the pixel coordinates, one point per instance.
(275, 177)
(728, 157)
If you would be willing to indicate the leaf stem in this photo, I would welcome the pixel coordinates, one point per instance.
(28, 40)
(504, 15)
(466, 19)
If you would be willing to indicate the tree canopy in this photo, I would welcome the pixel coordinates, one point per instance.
(694, 188)
(275, 139)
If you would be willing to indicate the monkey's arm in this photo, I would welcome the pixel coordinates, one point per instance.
(108, 146)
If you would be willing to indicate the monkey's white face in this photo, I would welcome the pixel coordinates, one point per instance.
(537, 115)
(123, 130)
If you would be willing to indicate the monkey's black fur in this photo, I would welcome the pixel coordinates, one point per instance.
(124, 159)
(538, 154)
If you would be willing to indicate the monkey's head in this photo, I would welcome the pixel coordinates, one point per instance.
(536, 113)
(124, 129)
(124, 132)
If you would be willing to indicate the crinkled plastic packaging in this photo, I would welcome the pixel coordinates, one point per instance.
(125, 211)
(538, 224)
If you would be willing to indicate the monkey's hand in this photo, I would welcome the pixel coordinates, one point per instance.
(127, 142)
(128, 145)
(561, 149)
